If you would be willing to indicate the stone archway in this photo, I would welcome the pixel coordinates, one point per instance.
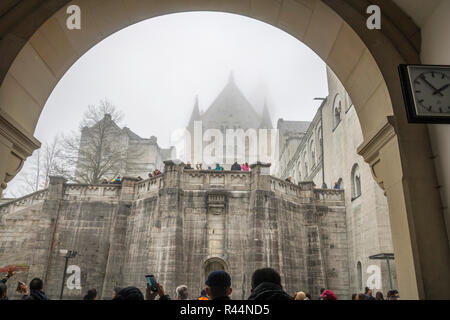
(37, 49)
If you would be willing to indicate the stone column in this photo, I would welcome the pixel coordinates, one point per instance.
(402, 165)
(15, 146)
(127, 192)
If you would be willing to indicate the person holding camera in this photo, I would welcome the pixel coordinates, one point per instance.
(35, 292)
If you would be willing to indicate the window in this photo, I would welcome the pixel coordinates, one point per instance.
(305, 163)
(359, 274)
(299, 172)
(356, 182)
(313, 153)
(337, 108)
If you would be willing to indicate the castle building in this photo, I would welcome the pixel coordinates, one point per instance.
(230, 114)
(324, 152)
(134, 156)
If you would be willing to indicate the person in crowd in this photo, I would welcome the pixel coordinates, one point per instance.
(35, 291)
(3, 286)
(308, 296)
(300, 296)
(218, 285)
(3, 291)
(116, 180)
(150, 174)
(104, 181)
(151, 295)
(199, 165)
(379, 296)
(393, 295)
(235, 166)
(288, 179)
(157, 172)
(355, 296)
(324, 186)
(266, 285)
(328, 295)
(321, 291)
(362, 296)
(245, 167)
(182, 292)
(115, 292)
(203, 295)
(218, 167)
(188, 166)
(368, 293)
(139, 178)
(337, 186)
(129, 293)
(91, 295)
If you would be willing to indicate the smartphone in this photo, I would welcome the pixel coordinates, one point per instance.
(151, 282)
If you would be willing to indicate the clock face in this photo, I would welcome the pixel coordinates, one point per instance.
(431, 90)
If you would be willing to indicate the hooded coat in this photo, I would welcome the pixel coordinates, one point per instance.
(269, 291)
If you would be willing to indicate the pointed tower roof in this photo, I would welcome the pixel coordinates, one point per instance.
(266, 120)
(195, 116)
(231, 107)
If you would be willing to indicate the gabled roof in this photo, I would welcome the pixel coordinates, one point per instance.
(231, 106)
(292, 126)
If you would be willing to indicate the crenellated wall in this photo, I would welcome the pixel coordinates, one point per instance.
(178, 226)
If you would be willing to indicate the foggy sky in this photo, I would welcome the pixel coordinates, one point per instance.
(153, 70)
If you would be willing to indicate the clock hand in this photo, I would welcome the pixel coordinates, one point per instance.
(426, 81)
(441, 89)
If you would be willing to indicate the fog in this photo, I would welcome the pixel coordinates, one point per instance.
(153, 71)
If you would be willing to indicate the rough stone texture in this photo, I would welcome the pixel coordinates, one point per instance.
(176, 226)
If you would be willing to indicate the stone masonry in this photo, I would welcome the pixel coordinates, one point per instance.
(179, 226)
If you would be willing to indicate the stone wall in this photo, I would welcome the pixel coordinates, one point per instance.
(175, 225)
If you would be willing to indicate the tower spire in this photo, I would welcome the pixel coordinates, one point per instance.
(195, 113)
(266, 121)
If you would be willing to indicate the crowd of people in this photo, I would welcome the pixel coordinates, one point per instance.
(234, 167)
(265, 286)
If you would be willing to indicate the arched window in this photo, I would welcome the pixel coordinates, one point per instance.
(300, 172)
(356, 182)
(312, 149)
(305, 164)
(359, 274)
(337, 108)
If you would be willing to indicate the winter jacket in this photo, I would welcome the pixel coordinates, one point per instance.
(269, 291)
(36, 295)
(236, 167)
(245, 168)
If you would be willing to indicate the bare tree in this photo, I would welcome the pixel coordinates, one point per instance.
(95, 153)
(44, 162)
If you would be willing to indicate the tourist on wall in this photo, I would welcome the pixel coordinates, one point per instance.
(218, 285)
(266, 285)
(289, 179)
(236, 166)
(199, 165)
(188, 166)
(35, 292)
(218, 167)
(355, 296)
(245, 167)
(322, 290)
(362, 296)
(91, 295)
